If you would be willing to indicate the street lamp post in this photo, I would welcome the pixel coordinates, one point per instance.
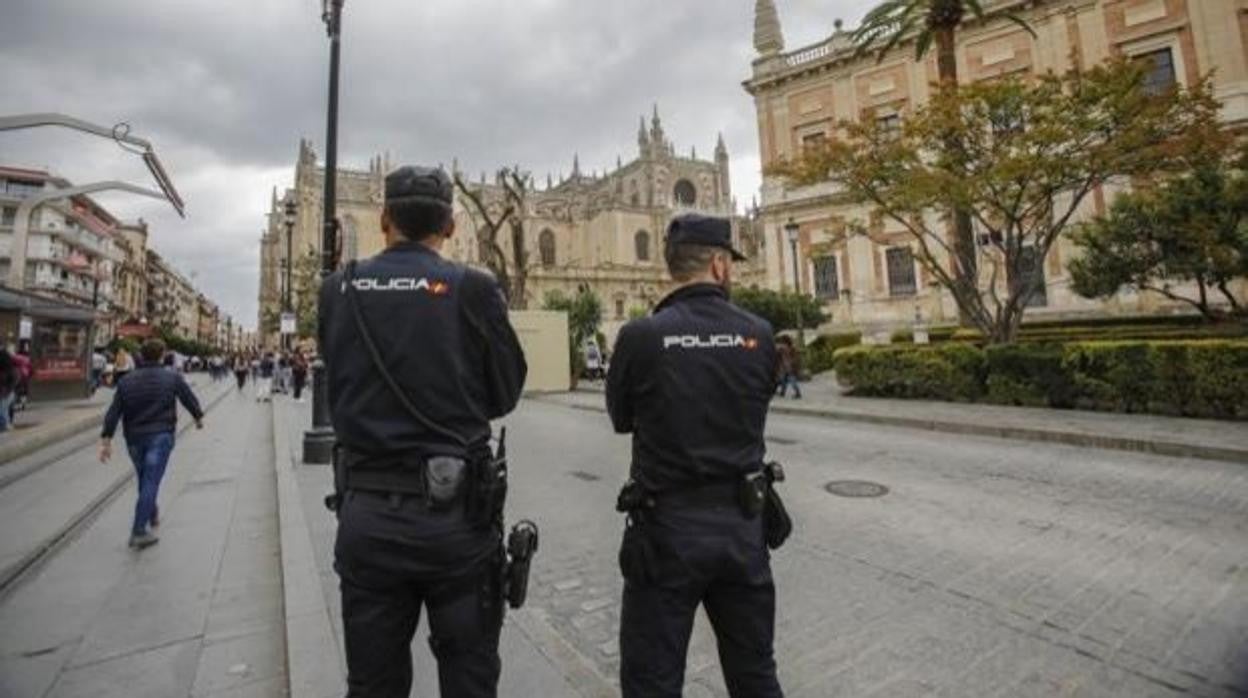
(120, 134)
(793, 230)
(318, 442)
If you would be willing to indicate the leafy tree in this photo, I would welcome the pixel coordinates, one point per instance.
(306, 282)
(780, 308)
(1020, 155)
(584, 311)
(492, 215)
(1191, 231)
(931, 22)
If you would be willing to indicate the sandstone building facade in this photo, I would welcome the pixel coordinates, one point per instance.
(800, 94)
(601, 231)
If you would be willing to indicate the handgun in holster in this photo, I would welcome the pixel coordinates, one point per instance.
(777, 524)
(633, 499)
(521, 546)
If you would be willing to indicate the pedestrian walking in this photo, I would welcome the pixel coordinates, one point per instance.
(123, 364)
(98, 363)
(264, 378)
(299, 373)
(283, 373)
(787, 367)
(241, 369)
(25, 372)
(415, 524)
(9, 378)
(692, 384)
(145, 403)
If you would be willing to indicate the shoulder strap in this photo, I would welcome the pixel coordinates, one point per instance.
(380, 364)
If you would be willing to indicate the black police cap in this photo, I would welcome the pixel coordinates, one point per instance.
(696, 229)
(421, 185)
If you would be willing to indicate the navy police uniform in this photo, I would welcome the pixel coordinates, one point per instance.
(443, 332)
(692, 384)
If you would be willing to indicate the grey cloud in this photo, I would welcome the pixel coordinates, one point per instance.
(225, 88)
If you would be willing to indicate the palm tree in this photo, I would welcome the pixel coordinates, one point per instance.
(930, 21)
(935, 21)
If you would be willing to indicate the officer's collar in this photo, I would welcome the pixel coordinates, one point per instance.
(412, 246)
(692, 291)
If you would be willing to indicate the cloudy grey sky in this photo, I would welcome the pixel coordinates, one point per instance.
(225, 89)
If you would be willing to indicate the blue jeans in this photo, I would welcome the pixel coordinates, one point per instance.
(786, 381)
(150, 453)
(6, 403)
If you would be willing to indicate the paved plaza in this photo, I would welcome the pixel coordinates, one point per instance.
(990, 567)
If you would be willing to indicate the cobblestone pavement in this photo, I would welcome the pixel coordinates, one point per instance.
(990, 568)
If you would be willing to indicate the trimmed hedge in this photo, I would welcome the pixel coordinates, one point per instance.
(1199, 378)
(945, 372)
(818, 356)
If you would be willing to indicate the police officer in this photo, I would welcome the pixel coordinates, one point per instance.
(421, 356)
(692, 384)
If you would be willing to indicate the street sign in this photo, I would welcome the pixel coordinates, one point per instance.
(288, 323)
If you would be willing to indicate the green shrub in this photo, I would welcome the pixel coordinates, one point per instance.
(948, 372)
(817, 357)
(1116, 376)
(902, 337)
(1196, 378)
(1202, 379)
(1028, 374)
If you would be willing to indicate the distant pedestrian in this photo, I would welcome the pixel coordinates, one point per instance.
(241, 368)
(25, 371)
(146, 404)
(264, 378)
(122, 365)
(98, 364)
(8, 387)
(299, 373)
(787, 368)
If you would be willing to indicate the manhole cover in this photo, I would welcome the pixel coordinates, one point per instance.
(856, 488)
(582, 475)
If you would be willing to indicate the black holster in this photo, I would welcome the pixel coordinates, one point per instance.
(521, 546)
(777, 525)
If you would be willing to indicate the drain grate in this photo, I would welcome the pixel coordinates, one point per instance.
(856, 488)
(582, 475)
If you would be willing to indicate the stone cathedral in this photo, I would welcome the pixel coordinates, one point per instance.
(601, 231)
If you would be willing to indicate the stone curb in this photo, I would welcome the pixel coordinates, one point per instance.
(28, 444)
(1117, 443)
(313, 664)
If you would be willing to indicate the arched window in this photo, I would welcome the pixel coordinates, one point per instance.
(642, 242)
(686, 194)
(546, 247)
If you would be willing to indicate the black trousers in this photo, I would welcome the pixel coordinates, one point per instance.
(394, 557)
(675, 560)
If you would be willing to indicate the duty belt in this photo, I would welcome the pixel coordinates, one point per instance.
(392, 475)
(707, 495)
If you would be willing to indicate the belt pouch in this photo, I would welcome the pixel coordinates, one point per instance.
(444, 479)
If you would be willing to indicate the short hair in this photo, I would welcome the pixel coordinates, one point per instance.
(686, 261)
(152, 350)
(417, 220)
